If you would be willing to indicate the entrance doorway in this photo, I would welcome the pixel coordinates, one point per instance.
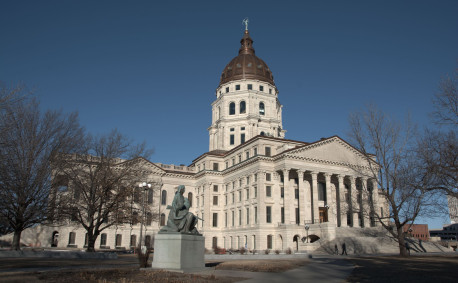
(323, 214)
(55, 239)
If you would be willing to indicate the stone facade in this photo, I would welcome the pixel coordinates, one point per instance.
(254, 188)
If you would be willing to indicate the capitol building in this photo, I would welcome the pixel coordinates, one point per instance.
(254, 188)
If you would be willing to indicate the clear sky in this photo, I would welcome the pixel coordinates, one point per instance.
(150, 68)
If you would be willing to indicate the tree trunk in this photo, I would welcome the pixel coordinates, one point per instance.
(91, 242)
(402, 244)
(16, 244)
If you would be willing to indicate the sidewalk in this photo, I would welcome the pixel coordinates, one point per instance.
(324, 269)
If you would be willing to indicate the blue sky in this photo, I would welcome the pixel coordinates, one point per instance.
(151, 69)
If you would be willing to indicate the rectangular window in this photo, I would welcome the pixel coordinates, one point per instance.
(232, 141)
(247, 215)
(103, 240)
(322, 191)
(237, 87)
(242, 128)
(255, 214)
(248, 194)
(255, 192)
(215, 219)
(118, 241)
(268, 214)
(242, 138)
(282, 192)
(215, 188)
(268, 177)
(233, 161)
(226, 199)
(268, 191)
(247, 154)
(227, 164)
(215, 200)
(261, 88)
(233, 200)
(240, 217)
(269, 241)
(232, 129)
(227, 89)
(215, 167)
(232, 218)
(71, 238)
(268, 151)
(297, 216)
(250, 86)
(255, 177)
(240, 195)
(255, 151)
(282, 215)
(348, 219)
(225, 219)
(296, 193)
(248, 180)
(240, 158)
(270, 91)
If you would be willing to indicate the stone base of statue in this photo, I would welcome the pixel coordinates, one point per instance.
(179, 252)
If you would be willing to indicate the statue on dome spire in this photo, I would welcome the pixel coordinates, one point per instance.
(245, 22)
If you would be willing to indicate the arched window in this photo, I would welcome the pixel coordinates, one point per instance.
(162, 219)
(71, 238)
(242, 107)
(164, 197)
(190, 198)
(263, 134)
(261, 108)
(150, 196)
(149, 218)
(232, 108)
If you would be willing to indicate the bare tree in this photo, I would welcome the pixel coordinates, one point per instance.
(28, 142)
(396, 170)
(99, 184)
(446, 101)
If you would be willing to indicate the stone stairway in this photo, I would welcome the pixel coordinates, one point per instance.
(362, 241)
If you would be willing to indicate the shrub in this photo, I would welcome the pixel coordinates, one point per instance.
(277, 252)
(242, 250)
(288, 251)
(267, 251)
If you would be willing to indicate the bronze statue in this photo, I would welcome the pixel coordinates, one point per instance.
(180, 219)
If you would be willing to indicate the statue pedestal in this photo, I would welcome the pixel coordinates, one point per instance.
(179, 252)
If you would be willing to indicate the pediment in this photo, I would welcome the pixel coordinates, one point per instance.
(151, 167)
(333, 150)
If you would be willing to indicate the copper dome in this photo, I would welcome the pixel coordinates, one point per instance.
(246, 65)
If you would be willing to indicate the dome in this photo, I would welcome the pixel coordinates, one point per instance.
(246, 65)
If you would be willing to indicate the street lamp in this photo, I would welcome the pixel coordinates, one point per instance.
(145, 186)
(307, 227)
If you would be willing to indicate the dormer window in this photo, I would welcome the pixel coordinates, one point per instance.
(227, 89)
(237, 87)
(261, 88)
(250, 86)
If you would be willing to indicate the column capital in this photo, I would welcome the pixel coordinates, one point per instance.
(340, 178)
(314, 175)
(300, 174)
(327, 176)
(352, 179)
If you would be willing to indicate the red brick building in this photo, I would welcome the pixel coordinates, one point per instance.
(418, 231)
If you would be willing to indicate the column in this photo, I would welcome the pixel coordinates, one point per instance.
(301, 188)
(315, 209)
(341, 204)
(365, 205)
(353, 202)
(287, 197)
(207, 191)
(327, 178)
(375, 200)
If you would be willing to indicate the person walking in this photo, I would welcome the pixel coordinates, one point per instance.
(336, 249)
(344, 249)
(408, 247)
